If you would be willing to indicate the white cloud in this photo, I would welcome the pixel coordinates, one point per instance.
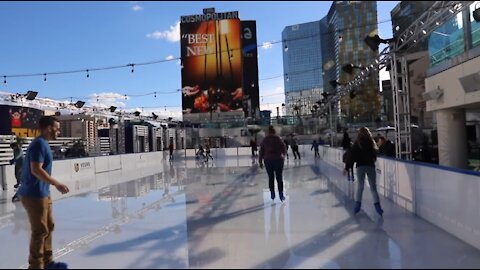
(271, 90)
(137, 8)
(107, 99)
(170, 57)
(272, 97)
(267, 45)
(172, 35)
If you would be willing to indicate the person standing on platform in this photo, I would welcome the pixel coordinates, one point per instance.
(170, 149)
(346, 142)
(364, 154)
(207, 151)
(286, 146)
(385, 147)
(18, 161)
(34, 193)
(294, 145)
(347, 156)
(253, 145)
(272, 150)
(315, 147)
(348, 160)
(200, 153)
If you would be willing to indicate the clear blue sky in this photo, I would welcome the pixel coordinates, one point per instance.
(39, 37)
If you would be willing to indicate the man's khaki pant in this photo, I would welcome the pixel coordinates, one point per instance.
(39, 212)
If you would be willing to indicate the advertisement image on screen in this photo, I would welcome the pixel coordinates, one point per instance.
(20, 121)
(250, 67)
(212, 66)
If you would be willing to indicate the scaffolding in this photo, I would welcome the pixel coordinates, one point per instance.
(401, 107)
(420, 29)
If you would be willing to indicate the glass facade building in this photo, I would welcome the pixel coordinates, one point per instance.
(349, 23)
(302, 64)
(315, 52)
(455, 37)
(404, 14)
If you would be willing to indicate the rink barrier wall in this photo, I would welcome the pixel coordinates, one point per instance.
(84, 169)
(448, 198)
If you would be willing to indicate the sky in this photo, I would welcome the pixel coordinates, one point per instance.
(45, 37)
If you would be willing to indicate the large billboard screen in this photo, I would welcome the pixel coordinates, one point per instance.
(250, 68)
(20, 121)
(212, 73)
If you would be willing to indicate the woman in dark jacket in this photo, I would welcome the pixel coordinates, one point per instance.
(346, 142)
(364, 154)
(273, 151)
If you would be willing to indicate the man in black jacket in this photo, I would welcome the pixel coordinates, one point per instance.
(385, 147)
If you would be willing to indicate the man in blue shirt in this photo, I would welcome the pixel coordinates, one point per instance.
(35, 194)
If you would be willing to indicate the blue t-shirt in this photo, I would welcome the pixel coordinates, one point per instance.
(38, 151)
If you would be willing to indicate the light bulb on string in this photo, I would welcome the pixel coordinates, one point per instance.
(88, 75)
(5, 79)
(45, 77)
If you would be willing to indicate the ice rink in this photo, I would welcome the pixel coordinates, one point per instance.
(220, 215)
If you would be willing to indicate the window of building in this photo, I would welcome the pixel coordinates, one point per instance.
(349, 45)
(340, 24)
(446, 41)
(369, 17)
(475, 26)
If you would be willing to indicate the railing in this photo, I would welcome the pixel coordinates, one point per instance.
(453, 49)
(6, 153)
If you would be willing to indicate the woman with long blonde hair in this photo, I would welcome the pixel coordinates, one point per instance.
(364, 154)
